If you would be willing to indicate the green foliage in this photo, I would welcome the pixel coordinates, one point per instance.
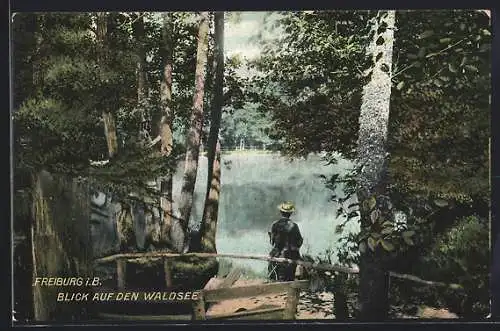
(235, 86)
(48, 136)
(248, 124)
(311, 80)
(459, 256)
(316, 65)
(440, 115)
(58, 123)
(305, 97)
(311, 76)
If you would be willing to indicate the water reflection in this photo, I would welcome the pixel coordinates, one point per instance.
(253, 187)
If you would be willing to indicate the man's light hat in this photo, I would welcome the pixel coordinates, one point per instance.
(287, 207)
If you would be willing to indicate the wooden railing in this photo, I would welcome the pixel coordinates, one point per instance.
(220, 294)
(121, 261)
(211, 296)
(292, 290)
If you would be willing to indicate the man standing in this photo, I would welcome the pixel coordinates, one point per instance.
(286, 240)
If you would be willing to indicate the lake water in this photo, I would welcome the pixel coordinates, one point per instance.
(253, 185)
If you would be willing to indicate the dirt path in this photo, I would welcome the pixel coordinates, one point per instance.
(310, 306)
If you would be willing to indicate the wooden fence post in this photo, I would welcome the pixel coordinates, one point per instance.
(292, 299)
(340, 308)
(168, 273)
(199, 308)
(121, 273)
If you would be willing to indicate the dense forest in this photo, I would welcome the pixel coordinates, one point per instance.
(115, 102)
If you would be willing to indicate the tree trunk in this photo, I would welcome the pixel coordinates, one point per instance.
(194, 133)
(139, 35)
(110, 132)
(107, 116)
(375, 206)
(25, 45)
(60, 237)
(166, 87)
(124, 220)
(210, 213)
(166, 135)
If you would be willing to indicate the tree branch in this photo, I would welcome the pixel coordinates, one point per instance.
(428, 57)
(423, 281)
(444, 49)
(155, 141)
(403, 70)
(131, 22)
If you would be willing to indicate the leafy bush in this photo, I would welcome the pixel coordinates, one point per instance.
(461, 255)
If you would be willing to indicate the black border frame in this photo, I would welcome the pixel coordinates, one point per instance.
(153, 5)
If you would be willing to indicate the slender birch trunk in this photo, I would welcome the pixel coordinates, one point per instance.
(372, 157)
(210, 213)
(107, 116)
(166, 135)
(194, 133)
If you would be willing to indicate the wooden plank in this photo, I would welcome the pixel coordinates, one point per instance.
(251, 314)
(168, 273)
(199, 308)
(215, 283)
(264, 316)
(212, 283)
(145, 260)
(128, 317)
(231, 278)
(121, 273)
(292, 299)
(251, 291)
